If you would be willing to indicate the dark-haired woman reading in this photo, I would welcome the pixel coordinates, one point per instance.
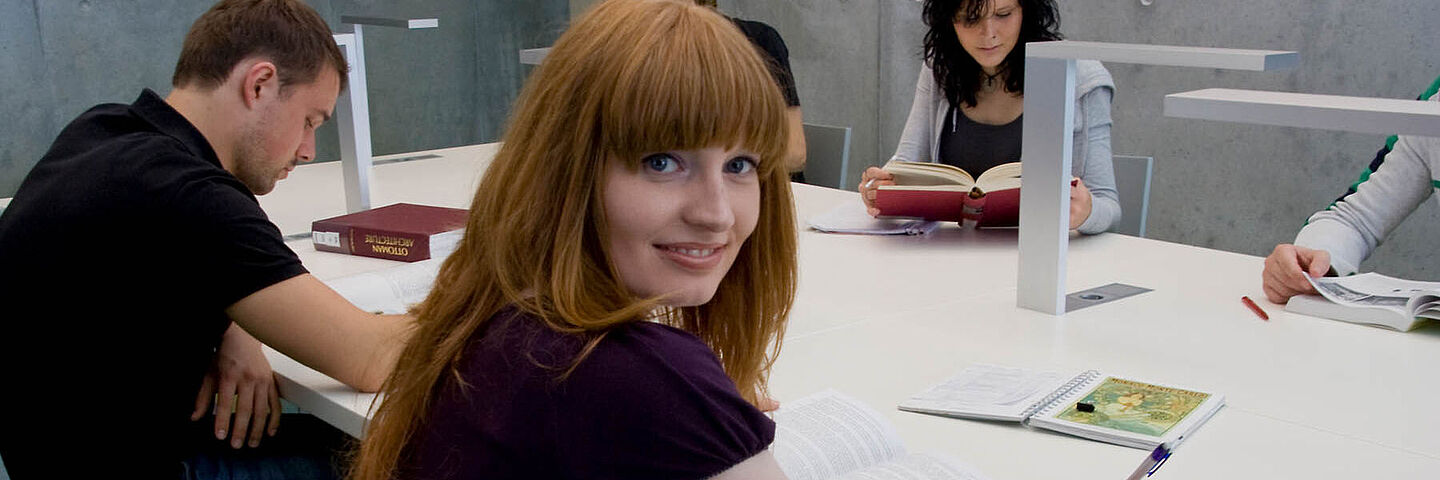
(971, 94)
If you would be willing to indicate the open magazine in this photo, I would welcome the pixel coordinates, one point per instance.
(1371, 299)
(832, 436)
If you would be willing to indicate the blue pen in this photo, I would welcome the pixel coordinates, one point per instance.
(1152, 461)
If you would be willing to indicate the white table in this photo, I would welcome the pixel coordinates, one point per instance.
(881, 318)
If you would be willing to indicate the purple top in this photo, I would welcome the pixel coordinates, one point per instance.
(651, 401)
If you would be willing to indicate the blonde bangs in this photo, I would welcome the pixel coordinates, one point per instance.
(692, 81)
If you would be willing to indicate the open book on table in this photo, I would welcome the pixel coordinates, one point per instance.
(391, 290)
(936, 191)
(1087, 404)
(1371, 299)
(832, 436)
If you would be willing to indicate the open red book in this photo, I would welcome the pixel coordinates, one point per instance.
(936, 191)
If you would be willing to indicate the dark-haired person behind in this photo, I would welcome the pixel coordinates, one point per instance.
(970, 97)
(625, 276)
(137, 264)
(777, 56)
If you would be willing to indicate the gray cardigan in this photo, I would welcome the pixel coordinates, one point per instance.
(920, 142)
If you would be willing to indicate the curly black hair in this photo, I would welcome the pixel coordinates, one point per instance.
(956, 72)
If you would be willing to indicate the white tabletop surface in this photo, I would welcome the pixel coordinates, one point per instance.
(882, 318)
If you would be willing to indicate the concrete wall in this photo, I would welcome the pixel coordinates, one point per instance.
(428, 88)
(1234, 187)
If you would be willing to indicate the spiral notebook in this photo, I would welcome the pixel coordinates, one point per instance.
(1087, 404)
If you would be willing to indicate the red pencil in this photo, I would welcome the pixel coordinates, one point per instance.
(1255, 308)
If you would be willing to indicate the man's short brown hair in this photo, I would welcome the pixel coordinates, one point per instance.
(288, 33)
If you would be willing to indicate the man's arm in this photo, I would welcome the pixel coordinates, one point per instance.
(1351, 228)
(303, 318)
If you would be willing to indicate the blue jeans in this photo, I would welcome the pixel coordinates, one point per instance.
(303, 448)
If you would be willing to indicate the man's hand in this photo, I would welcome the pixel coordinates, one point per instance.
(1287, 267)
(246, 384)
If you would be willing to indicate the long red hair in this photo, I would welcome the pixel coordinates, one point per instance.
(629, 78)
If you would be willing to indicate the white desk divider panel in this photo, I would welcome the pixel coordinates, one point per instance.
(1049, 106)
(352, 109)
(1326, 112)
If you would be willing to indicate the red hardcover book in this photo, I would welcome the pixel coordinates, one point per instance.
(935, 191)
(404, 231)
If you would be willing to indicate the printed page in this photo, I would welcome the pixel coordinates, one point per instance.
(1373, 290)
(988, 392)
(1426, 306)
(829, 434)
(851, 217)
(920, 466)
(391, 290)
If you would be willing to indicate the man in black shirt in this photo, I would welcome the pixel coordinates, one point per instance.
(135, 241)
(772, 49)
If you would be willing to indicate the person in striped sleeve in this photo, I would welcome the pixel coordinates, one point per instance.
(1335, 240)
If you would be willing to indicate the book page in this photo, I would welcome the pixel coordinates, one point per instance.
(919, 466)
(1373, 290)
(999, 177)
(988, 392)
(391, 290)
(925, 173)
(829, 434)
(1426, 306)
(1388, 317)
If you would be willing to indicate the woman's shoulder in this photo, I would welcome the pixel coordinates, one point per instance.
(629, 359)
(653, 354)
(648, 389)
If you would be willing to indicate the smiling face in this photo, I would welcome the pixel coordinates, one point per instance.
(283, 134)
(677, 220)
(990, 36)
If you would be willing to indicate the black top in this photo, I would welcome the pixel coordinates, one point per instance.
(772, 49)
(650, 402)
(118, 256)
(977, 147)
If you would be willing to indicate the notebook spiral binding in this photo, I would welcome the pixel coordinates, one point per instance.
(1043, 404)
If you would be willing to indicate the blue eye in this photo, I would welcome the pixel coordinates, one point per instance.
(740, 165)
(660, 162)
